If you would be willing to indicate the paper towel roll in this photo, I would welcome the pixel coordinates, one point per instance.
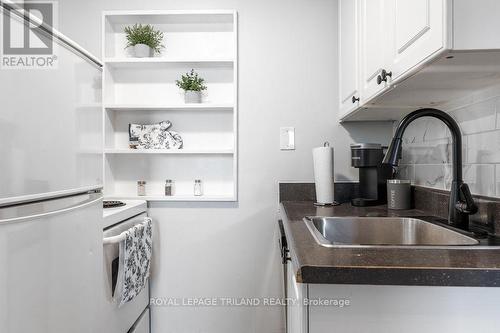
(323, 174)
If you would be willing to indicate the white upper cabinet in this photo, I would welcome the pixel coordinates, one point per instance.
(400, 55)
(418, 33)
(374, 46)
(348, 55)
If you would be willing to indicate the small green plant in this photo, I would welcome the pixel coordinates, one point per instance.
(144, 34)
(191, 81)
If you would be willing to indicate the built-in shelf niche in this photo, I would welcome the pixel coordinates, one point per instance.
(215, 171)
(143, 91)
(154, 83)
(187, 35)
(200, 130)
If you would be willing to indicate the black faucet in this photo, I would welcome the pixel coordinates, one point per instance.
(461, 202)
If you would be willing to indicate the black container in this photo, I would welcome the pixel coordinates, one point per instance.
(373, 176)
(398, 194)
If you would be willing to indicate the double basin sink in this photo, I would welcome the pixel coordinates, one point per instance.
(384, 232)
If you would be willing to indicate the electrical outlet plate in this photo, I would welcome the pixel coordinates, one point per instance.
(287, 138)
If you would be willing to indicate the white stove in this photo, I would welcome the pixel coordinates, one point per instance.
(132, 317)
(118, 214)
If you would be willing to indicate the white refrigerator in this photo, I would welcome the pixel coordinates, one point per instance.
(50, 196)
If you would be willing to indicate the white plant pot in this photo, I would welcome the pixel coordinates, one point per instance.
(142, 51)
(192, 96)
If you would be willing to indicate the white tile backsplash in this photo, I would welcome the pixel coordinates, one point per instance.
(430, 175)
(497, 178)
(477, 176)
(424, 130)
(406, 171)
(427, 146)
(484, 147)
(477, 118)
(430, 152)
(497, 106)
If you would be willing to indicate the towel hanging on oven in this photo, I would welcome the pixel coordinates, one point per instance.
(134, 261)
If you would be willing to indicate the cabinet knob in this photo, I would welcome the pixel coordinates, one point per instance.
(386, 74)
(355, 99)
(383, 76)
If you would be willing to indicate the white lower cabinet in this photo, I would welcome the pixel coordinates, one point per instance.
(296, 309)
(395, 309)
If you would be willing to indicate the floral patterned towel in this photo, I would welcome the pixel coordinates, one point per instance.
(155, 136)
(135, 261)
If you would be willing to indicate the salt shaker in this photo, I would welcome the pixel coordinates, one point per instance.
(169, 188)
(198, 190)
(141, 188)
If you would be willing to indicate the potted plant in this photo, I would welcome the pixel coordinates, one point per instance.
(145, 40)
(192, 85)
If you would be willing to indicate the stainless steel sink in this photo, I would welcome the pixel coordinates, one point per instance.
(383, 231)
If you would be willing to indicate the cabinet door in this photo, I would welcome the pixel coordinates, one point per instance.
(374, 45)
(348, 55)
(296, 309)
(418, 32)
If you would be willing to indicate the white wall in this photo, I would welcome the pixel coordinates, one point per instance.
(288, 77)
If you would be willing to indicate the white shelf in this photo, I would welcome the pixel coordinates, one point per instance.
(206, 198)
(169, 151)
(162, 17)
(131, 62)
(166, 107)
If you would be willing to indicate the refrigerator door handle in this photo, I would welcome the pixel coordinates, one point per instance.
(48, 30)
(12, 215)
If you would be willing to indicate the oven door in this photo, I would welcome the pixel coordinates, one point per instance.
(142, 324)
(119, 320)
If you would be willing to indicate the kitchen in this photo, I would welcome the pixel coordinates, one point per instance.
(284, 65)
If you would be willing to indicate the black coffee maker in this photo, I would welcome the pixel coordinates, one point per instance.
(373, 175)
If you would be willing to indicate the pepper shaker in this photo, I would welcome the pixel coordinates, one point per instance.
(169, 188)
(141, 188)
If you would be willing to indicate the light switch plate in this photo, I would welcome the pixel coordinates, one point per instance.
(287, 138)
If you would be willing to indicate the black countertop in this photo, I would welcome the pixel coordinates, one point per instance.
(474, 267)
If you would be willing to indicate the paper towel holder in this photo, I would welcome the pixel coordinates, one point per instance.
(334, 203)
